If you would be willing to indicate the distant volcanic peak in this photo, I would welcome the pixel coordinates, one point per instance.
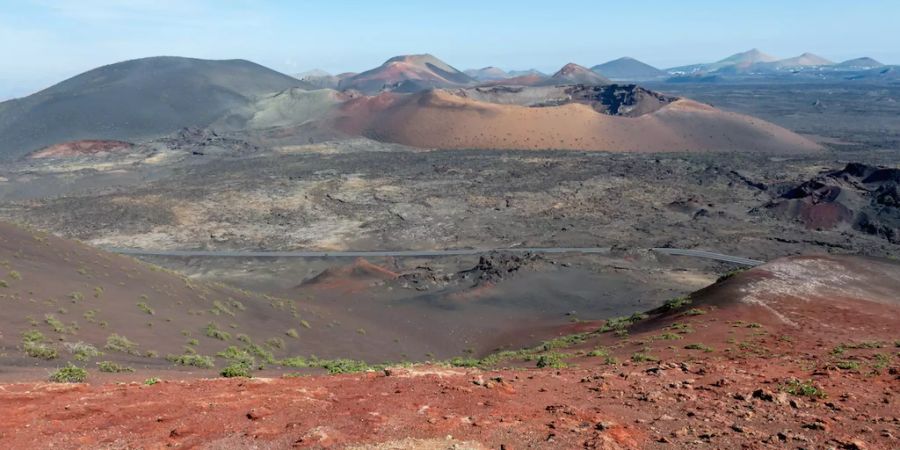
(528, 72)
(488, 73)
(864, 62)
(751, 56)
(627, 68)
(806, 59)
(424, 61)
(408, 72)
(571, 69)
(313, 73)
(575, 74)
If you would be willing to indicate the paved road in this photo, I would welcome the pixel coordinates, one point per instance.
(421, 253)
(709, 255)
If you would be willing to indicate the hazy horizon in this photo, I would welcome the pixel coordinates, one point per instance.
(56, 40)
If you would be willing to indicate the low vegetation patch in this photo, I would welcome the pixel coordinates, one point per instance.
(640, 357)
(192, 359)
(212, 330)
(69, 374)
(57, 325)
(236, 369)
(730, 274)
(803, 389)
(847, 365)
(82, 351)
(122, 344)
(111, 367)
(619, 324)
(143, 306)
(333, 366)
(552, 360)
(33, 345)
(703, 347)
(675, 304)
(238, 355)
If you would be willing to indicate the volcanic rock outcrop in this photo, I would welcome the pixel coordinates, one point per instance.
(859, 196)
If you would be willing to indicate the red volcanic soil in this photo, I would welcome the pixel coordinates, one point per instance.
(356, 277)
(801, 352)
(81, 148)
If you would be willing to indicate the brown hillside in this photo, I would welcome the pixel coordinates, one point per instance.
(440, 119)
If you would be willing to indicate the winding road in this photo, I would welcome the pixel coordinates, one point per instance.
(422, 253)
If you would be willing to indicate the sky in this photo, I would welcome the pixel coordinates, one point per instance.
(43, 42)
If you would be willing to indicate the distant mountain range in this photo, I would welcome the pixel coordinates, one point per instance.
(755, 62)
(149, 98)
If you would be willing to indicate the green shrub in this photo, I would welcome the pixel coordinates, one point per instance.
(703, 347)
(464, 362)
(292, 333)
(40, 350)
(236, 369)
(297, 362)
(151, 381)
(551, 360)
(620, 324)
(681, 328)
(82, 351)
(69, 374)
(275, 342)
(213, 331)
(847, 365)
(669, 337)
(675, 303)
(57, 324)
(336, 366)
(32, 336)
(640, 357)
(730, 274)
(116, 343)
(260, 352)
(111, 367)
(146, 308)
(220, 308)
(880, 361)
(803, 389)
(190, 359)
(238, 355)
(34, 346)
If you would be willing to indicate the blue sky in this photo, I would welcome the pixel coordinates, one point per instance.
(45, 41)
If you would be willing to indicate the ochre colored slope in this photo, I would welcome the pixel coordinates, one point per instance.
(439, 119)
